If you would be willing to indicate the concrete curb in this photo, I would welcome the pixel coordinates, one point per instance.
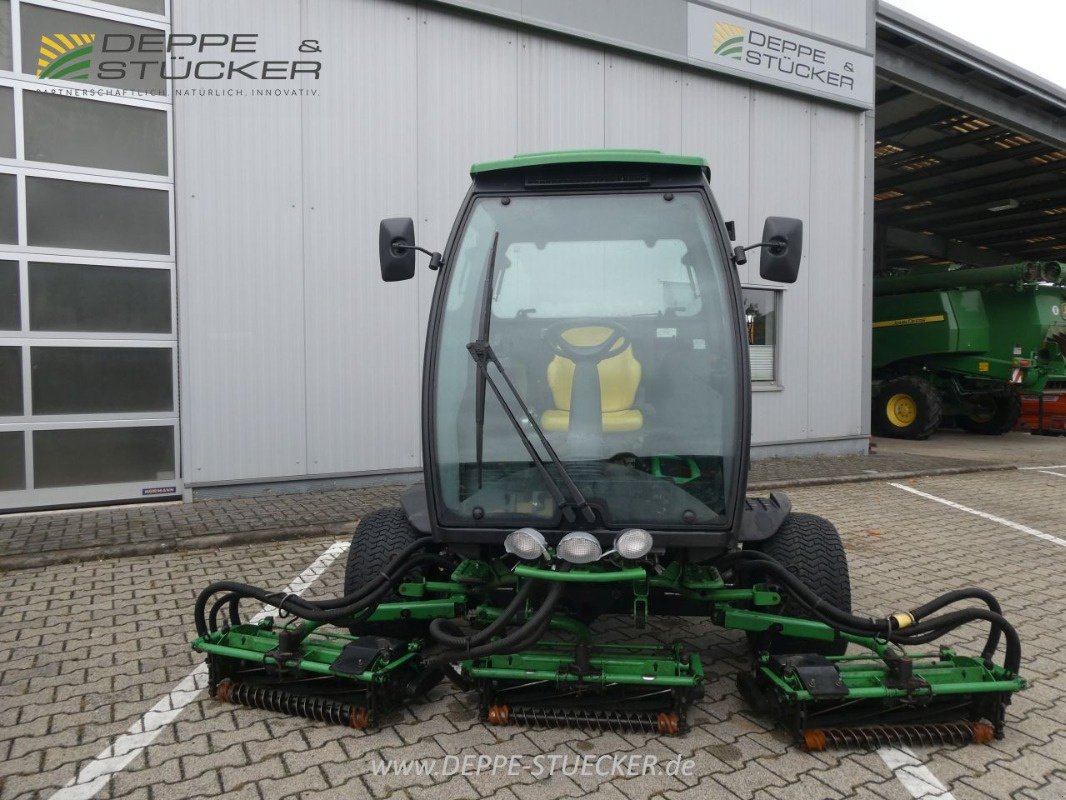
(337, 530)
(867, 477)
(344, 530)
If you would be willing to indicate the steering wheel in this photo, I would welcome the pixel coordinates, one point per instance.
(616, 341)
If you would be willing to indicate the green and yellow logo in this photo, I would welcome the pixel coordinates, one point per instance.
(65, 56)
(728, 40)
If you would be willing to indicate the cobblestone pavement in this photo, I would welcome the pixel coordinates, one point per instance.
(87, 649)
(32, 540)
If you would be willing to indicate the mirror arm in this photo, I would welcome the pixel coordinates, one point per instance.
(739, 253)
(435, 259)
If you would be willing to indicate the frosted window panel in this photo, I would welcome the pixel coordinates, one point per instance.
(101, 380)
(150, 6)
(38, 21)
(10, 314)
(82, 457)
(7, 122)
(82, 297)
(9, 219)
(96, 216)
(12, 461)
(10, 381)
(89, 133)
(5, 34)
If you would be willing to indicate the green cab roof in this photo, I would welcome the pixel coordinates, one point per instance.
(524, 160)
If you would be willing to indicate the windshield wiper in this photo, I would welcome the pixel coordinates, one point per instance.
(483, 354)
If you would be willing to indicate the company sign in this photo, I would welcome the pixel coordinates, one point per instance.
(726, 42)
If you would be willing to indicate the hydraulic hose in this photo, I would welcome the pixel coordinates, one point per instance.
(917, 630)
(322, 611)
(531, 630)
(446, 632)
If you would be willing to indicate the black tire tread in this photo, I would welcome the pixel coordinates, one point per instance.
(810, 547)
(378, 538)
(1008, 409)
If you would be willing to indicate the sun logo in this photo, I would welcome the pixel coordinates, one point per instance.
(65, 56)
(728, 40)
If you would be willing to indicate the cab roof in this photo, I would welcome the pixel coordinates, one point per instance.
(584, 157)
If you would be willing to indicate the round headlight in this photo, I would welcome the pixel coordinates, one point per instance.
(633, 543)
(526, 543)
(579, 548)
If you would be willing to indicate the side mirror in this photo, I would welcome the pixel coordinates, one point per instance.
(396, 248)
(782, 249)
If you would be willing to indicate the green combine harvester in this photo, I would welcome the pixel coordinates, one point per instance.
(961, 344)
(586, 426)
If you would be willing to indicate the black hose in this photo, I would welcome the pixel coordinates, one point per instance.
(327, 611)
(232, 599)
(946, 599)
(454, 640)
(520, 637)
(888, 628)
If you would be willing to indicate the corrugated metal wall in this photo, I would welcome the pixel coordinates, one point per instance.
(296, 360)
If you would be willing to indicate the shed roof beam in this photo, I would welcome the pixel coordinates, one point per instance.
(941, 84)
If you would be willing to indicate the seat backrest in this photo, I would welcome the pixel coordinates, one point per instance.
(619, 374)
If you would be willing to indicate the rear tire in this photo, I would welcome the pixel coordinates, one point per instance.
(1001, 416)
(380, 536)
(810, 548)
(907, 408)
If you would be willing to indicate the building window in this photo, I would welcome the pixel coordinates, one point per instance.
(84, 457)
(10, 310)
(5, 34)
(38, 21)
(7, 122)
(9, 218)
(97, 216)
(88, 133)
(90, 298)
(760, 312)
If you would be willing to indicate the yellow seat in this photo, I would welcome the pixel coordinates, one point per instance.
(619, 379)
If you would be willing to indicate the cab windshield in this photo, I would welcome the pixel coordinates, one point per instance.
(611, 315)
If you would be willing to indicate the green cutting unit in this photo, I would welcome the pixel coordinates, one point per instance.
(960, 344)
(586, 426)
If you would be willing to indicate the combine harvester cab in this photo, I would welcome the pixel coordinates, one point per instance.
(586, 427)
(962, 345)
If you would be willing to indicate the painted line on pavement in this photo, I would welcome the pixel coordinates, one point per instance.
(985, 515)
(913, 774)
(1052, 466)
(95, 775)
(1049, 472)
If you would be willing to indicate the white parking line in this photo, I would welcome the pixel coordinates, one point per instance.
(913, 774)
(1049, 472)
(985, 515)
(1053, 466)
(95, 775)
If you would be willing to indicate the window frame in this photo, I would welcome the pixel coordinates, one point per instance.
(774, 383)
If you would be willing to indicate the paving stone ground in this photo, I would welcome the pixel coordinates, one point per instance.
(86, 649)
(31, 540)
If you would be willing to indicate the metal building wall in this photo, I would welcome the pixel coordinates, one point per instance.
(297, 361)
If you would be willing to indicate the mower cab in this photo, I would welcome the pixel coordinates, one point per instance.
(586, 428)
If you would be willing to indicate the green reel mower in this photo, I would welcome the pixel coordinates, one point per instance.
(595, 297)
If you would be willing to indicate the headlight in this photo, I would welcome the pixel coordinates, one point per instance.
(579, 548)
(526, 543)
(633, 543)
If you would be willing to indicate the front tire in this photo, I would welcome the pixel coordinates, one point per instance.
(907, 408)
(380, 536)
(810, 548)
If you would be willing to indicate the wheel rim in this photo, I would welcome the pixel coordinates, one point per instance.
(902, 410)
